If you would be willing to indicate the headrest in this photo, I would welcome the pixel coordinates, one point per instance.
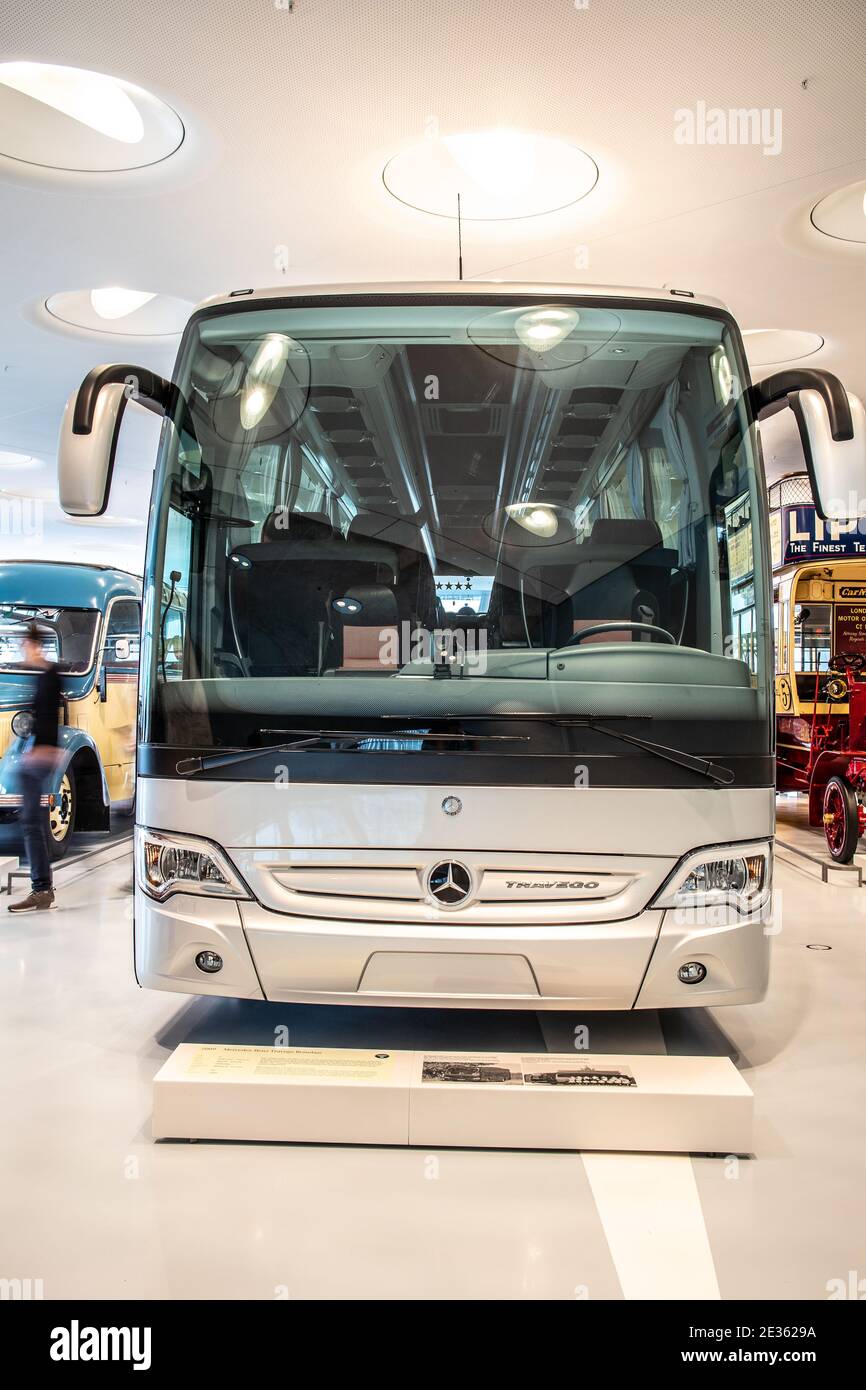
(329, 550)
(283, 525)
(637, 534)
(392, 530)
(378, 606)
(368, 524)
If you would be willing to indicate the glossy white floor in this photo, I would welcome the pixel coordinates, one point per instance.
(89, 1205)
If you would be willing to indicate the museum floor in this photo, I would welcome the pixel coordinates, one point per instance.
(93, 1208)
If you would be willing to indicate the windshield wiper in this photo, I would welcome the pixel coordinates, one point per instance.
(722, 776)
(349, 737)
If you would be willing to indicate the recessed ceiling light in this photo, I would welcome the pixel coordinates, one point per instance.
(842, 214)
(28, 491)
(543, 337)
(105, 520)
(263, 378)
(116, 303)
(500, 175)
(120, 312)
(9, 460)
(541, 520)
(93, 98)
(767, 346)
(543, 329)
(70, 118)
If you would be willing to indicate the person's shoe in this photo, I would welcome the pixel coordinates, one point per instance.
(34, 902)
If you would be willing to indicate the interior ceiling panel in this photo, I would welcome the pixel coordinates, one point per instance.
(291, 114)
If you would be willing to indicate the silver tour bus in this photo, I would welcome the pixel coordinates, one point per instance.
(456, 681)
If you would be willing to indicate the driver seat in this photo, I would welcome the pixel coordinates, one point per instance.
(609, 582)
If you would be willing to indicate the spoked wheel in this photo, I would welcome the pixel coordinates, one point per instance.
(61, 816)
(841, 820)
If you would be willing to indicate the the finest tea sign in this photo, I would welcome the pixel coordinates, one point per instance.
(806, 537)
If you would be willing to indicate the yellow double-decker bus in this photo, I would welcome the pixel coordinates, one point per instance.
(819, 606)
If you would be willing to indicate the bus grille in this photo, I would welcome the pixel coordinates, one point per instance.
(490, 889)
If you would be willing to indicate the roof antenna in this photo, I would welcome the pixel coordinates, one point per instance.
(459, 241)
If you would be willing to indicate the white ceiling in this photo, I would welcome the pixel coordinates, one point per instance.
(291, 116)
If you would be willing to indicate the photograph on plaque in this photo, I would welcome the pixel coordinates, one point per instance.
(495, 1070)
(538, 1073)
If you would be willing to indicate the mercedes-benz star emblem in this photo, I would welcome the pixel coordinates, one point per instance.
(452, 805)
(449, 883)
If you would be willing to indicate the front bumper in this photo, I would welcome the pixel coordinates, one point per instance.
(604, 965)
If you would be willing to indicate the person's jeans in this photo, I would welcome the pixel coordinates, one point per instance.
(34, 824)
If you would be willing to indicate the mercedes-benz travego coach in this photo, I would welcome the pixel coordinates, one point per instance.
(445, 695)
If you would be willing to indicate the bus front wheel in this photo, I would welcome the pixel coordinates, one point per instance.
(61, 815)
(841, 819)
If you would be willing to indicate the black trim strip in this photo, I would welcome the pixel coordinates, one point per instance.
(829, 387)
(506, 299)
(491, 769)
(153, 392)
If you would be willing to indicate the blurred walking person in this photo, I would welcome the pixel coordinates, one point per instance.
(36, 765)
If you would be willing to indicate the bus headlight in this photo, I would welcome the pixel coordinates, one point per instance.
(22, 723)
(169, 864)
(738, 876)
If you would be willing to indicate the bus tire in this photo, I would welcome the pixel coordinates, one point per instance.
(841, 820)
(61, 815)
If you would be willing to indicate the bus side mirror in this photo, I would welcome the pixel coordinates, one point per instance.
(832, 427)
(90, 428)
(126, 648)
(836, 467)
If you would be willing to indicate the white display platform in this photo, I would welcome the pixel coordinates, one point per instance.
(9, 864)
(657, 1104)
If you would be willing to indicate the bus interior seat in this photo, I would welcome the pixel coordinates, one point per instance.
(417, 601)
(282, 630)
(622, 574)
(370, 637)
(281, 588)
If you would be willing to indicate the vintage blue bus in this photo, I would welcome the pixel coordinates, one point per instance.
(91, 618)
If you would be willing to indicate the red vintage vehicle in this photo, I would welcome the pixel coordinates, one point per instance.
(838, 754)
(820, 622)
(834, 772)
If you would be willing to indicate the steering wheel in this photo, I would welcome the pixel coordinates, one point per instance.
(852, 661)
(591, 631)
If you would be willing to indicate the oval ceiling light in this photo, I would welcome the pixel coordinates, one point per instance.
(263, 378)
(543, 337)
(768, 346)
(120, 312)
(541, 520)
(545, 328)
(501, 175)
(87, 122)
(116, 303)
(842, 215)
(10, 459)
(105, 520)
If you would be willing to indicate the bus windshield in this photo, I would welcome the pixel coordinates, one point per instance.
(369, 512)
(67, 634)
